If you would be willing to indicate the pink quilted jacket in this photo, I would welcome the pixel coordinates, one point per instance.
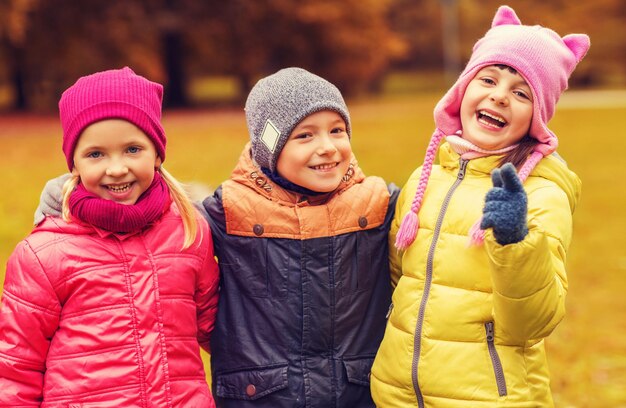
(92, 319)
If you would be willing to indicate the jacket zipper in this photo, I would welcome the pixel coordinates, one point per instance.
(495, 360)
(429, 277)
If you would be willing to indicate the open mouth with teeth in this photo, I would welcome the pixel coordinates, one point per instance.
(118, 189)
(324, 166)
(489, 119)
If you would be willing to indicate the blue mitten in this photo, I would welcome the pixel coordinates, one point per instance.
(50, 202)
(506, 206)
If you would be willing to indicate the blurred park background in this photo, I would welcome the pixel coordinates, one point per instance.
(392, 59)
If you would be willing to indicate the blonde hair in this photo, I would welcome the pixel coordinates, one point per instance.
(177, 193)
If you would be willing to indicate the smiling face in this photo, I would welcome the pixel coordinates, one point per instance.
(115, 160)
(317, 153)
(497, 108)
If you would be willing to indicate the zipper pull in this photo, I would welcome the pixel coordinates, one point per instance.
(489, 330)
(462, 167)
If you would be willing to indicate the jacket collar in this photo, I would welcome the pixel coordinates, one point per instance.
(246, 172)
(551, 168)
(78, 227)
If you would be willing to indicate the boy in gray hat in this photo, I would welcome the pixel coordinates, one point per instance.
(301, 238)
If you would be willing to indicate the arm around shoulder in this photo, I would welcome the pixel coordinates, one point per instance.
(50, 201)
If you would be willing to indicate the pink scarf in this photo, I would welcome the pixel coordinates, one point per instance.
(468, 150)
(121, 218)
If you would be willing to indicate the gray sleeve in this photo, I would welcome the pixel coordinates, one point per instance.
(50, 201)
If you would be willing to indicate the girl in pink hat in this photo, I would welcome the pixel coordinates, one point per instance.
(468, 322)
(301, 237)
(108, 306)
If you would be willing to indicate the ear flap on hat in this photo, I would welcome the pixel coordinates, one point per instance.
(505, 16)
(578, 44)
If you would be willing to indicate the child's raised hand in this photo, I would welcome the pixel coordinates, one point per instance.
(506, 206)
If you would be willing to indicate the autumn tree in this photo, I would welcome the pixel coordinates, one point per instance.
(46, 45)
(419, 23)
(64, 39)
(14, 30)
(349, 42)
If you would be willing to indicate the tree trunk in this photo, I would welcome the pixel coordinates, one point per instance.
(176, 87)
(17, 78)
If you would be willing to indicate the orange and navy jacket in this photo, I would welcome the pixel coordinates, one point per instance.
(305, 288)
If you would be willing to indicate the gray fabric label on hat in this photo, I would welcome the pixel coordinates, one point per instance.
(270, 136)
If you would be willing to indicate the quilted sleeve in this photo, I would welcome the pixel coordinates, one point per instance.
(206, 296)
(529, 277)
(29, 317)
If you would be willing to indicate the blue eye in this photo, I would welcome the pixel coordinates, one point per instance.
(133, 149)
(94, 155)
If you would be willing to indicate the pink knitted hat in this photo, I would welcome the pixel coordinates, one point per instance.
(541, 56)
(113, 94)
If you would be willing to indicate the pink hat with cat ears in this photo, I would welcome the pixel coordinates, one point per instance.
(541, 56)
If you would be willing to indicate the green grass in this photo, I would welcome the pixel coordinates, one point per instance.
(587, 351)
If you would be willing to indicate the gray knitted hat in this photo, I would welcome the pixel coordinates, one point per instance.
(277, 103)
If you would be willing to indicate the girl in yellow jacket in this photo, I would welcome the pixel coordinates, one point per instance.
(467, 322)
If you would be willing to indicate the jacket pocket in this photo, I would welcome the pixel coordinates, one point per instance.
(259, 267)
(356, 268)
(244, 265)
(358, 370)
(251, 384)
(495, 359)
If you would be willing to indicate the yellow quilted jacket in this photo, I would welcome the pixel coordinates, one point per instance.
(467, 324)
